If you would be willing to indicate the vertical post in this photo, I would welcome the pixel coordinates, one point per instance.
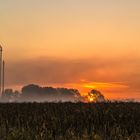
(0, 69)
(3, 77)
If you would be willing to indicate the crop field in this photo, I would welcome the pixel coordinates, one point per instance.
(70, 121)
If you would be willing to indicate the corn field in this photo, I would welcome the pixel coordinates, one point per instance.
(70, 121)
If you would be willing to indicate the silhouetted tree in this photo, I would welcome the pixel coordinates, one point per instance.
(36, 93)
(7, 95)
(96, 95)
(30, 92)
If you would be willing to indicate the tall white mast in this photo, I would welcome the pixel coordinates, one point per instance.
(3, 77)
(0, 69)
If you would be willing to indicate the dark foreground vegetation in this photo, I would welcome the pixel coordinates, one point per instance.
(70, 121)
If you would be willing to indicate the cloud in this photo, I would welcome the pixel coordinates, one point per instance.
(45, 71)
(63, 71)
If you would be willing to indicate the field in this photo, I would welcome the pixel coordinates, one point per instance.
(69, 121)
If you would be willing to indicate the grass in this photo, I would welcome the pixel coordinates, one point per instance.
(70, 121)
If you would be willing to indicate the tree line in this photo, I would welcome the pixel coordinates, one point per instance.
(36, 93)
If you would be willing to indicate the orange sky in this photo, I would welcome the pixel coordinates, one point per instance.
(74, 43)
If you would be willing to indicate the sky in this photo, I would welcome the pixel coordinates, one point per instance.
(81, 44)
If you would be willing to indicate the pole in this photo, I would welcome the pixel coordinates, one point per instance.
(0, 69)
(3, 77)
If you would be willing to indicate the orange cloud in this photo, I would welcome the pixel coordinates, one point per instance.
(78, 74)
